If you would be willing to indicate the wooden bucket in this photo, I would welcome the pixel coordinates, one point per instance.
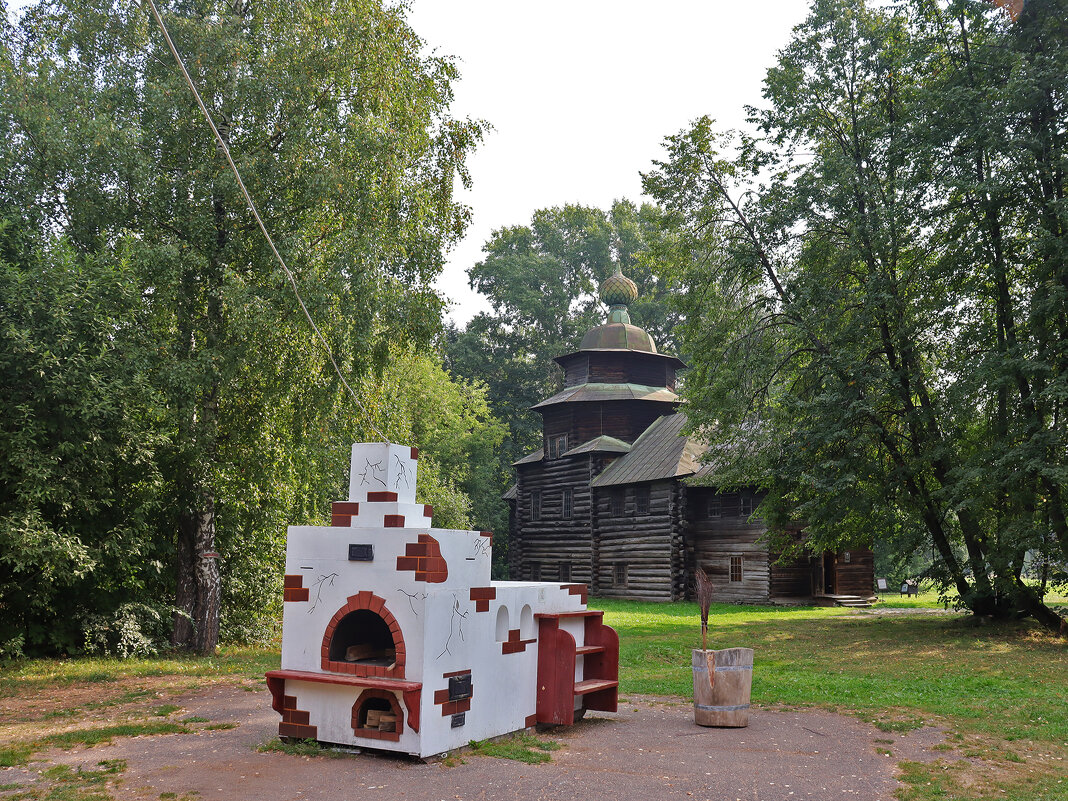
(722, 681)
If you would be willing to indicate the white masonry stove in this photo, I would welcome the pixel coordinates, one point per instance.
(394, 637)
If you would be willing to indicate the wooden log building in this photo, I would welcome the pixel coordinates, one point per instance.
(609, 500)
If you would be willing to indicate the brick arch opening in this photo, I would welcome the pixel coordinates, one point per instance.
(365, 625)
(377, 700)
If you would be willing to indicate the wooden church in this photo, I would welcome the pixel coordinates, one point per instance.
(610, 499)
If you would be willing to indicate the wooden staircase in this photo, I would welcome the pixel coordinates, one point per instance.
(570, 670)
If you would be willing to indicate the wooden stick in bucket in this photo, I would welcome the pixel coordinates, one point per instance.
(704, 599)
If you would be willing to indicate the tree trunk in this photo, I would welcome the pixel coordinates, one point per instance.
(185, 590)
(206, 569)
(198, 592)
(1029, 603)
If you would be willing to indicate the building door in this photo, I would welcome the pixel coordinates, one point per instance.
(830, 585)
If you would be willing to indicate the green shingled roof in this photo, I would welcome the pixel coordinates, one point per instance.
(601, 444)
(609, 392)
(530, 458)
(662, 451)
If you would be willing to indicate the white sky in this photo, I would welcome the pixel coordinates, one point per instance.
(582, 93)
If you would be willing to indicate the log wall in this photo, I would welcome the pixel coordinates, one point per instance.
(795, 578)
(641, 542)
(576, 371)
(857, 576)
(629, 368)
(791, 580)
(678, 542)
(540, 546)
(712, 542)
(624, 420)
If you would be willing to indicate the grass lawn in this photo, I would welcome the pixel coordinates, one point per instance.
(999, 691)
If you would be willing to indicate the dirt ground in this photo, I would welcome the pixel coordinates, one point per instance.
(650, 749)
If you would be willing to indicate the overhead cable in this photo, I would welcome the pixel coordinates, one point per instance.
(252, 207)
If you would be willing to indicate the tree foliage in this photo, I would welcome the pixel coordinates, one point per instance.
(341, 129)
(884, 271)
(459, 437)
(78, 480)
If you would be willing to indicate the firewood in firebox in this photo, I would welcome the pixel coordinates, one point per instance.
(358, 651)
(387, 722)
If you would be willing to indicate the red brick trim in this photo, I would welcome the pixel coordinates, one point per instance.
(393, 521)
(515, 645)
(488, 534)
(298, 732)
(411, 690)
(295, 594)
(383, 496)
(293, 581)
(277, 686)
(375, 734)
(365, 600)
(455, 707)
(482, 596)
(296, 716)
(428, 510)
(415, 453)
(342, 512)
(424, 557)
(295, 721)
(532, 720)
(441, 697)
(575, 589)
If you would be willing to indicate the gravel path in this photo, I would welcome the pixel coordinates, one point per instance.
(649, 750)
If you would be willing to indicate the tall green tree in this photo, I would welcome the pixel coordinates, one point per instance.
(881, 269)
(79, 484)
(341, 129)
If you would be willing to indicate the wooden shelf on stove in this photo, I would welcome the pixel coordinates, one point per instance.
(374, 682)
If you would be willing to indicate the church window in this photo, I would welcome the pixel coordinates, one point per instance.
(621, 574)
(565, 571)
(618, 500)
(535, 505)
(745, 505)
(567, 504)
(736, 568)
(641, 500)
(715, 507)
(557, 446)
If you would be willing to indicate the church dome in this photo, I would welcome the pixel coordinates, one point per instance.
(617, 333)
(618, 336)
(618, 290)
